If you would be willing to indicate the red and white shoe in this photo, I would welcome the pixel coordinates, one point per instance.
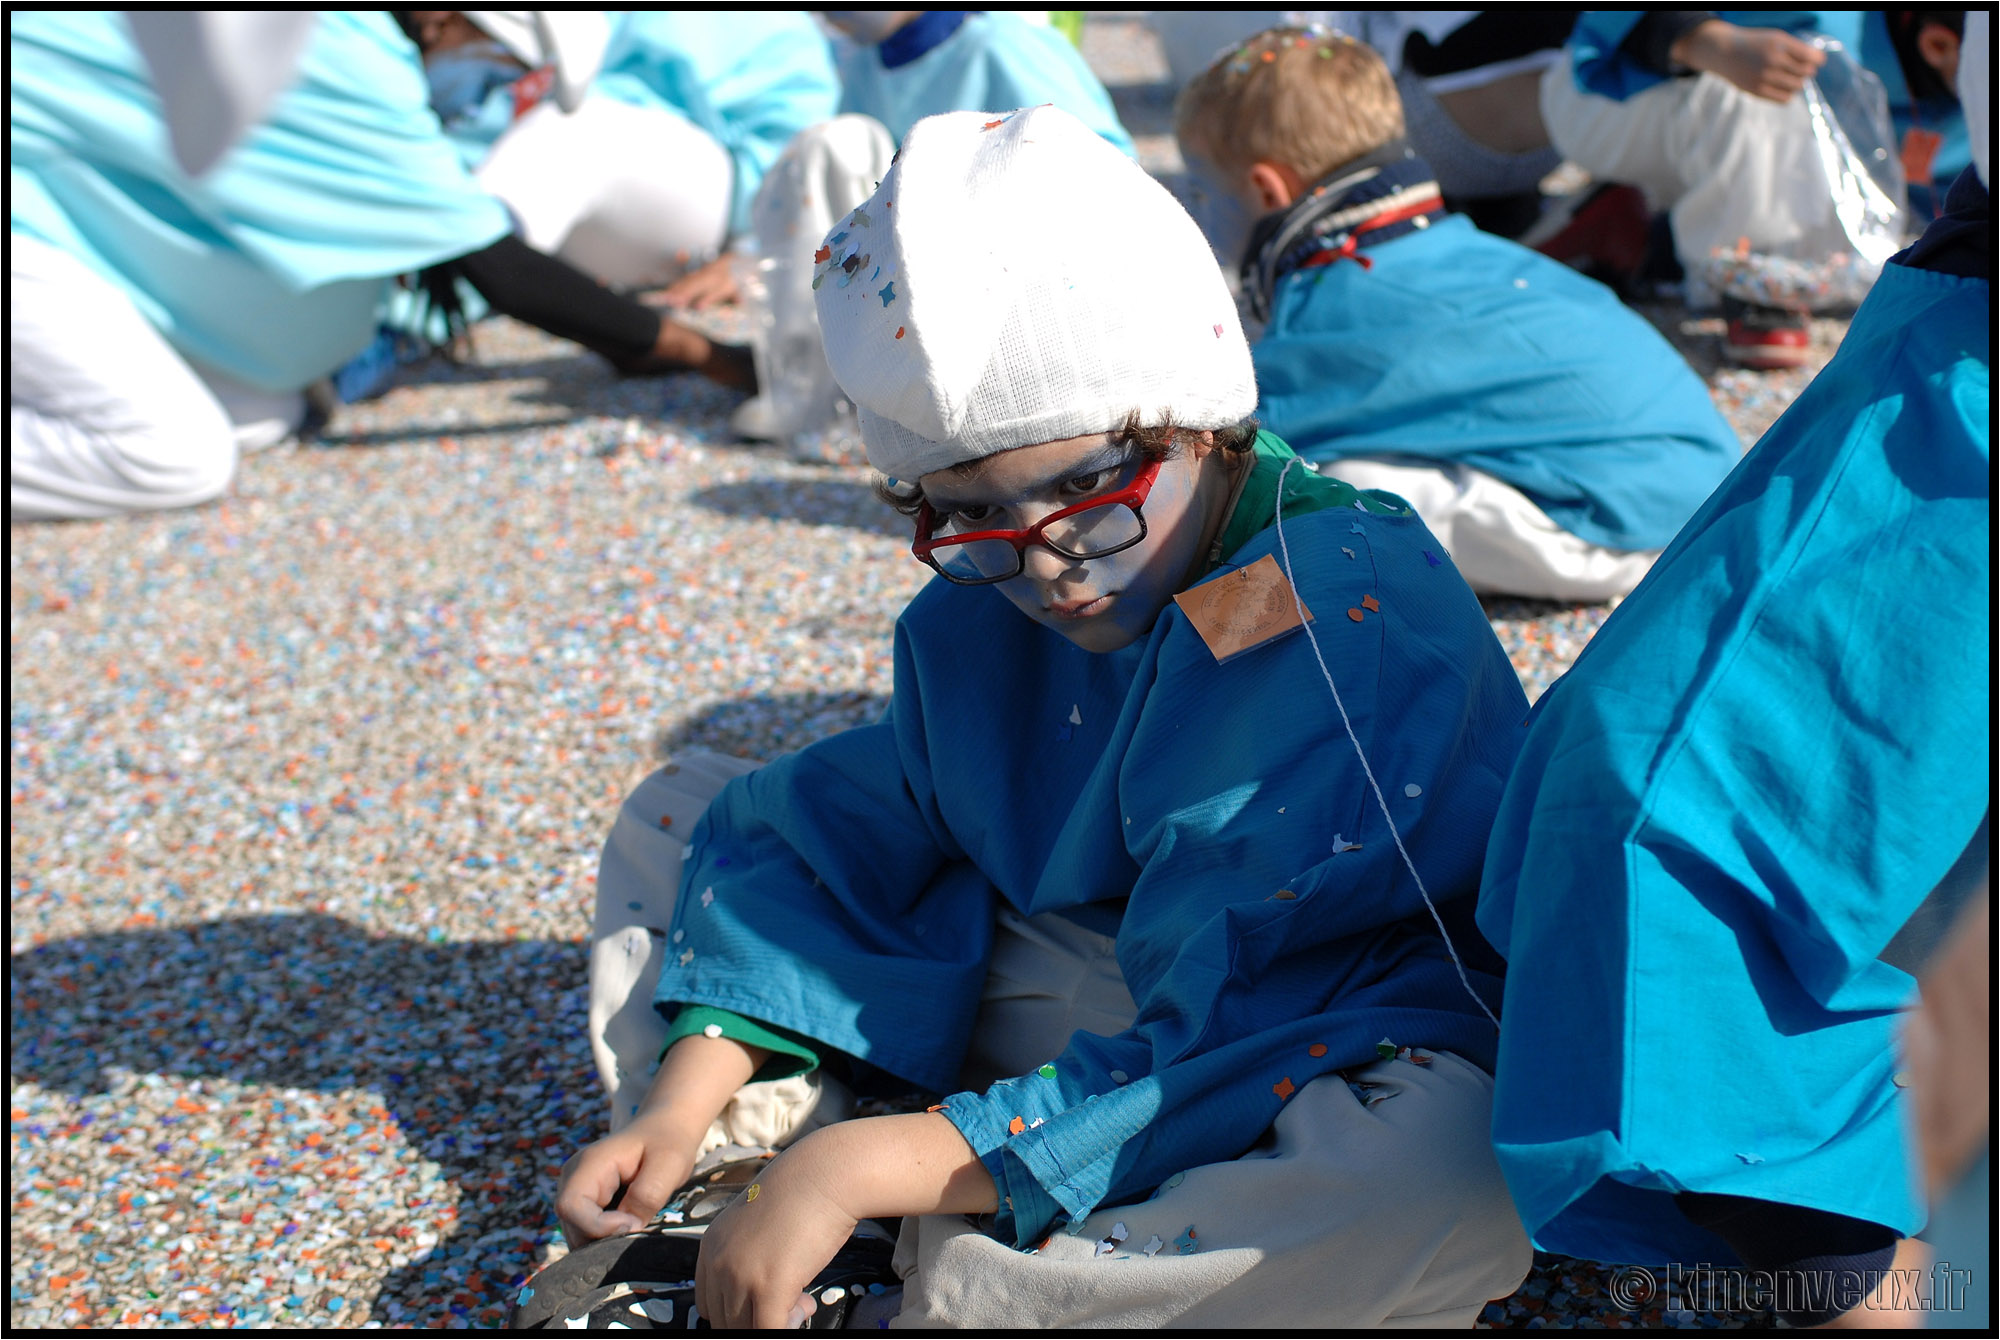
(1767, 339)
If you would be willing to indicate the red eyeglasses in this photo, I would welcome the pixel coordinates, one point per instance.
(1088, 530)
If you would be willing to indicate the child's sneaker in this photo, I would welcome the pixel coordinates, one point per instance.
(1765, 338)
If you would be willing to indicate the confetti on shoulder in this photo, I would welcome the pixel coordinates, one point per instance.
(1185, 1244)
(1016, 1126)
(1284, 1088)
(1152, 1247)
(887, 293)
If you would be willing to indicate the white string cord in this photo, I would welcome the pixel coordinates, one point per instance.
(1285, 552)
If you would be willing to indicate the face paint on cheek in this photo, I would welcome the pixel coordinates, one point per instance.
(1143, 578)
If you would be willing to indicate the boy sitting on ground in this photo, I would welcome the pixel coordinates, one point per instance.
(1547, 434)
(1171, 923)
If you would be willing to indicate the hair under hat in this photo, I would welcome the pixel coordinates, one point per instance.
(1015, 280)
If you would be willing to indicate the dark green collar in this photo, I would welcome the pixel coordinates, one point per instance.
(1304, 492)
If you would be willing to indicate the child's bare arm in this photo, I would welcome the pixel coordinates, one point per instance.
(763, 1250)
(1767, 62)
(654, 1154)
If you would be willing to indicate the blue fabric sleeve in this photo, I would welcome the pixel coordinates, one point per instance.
(823, 895)
(1596, 61)
(1273, 934)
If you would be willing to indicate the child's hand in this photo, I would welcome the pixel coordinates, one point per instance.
(1766, 62)
(713, 285)
(650, 1160)
(760, 1254)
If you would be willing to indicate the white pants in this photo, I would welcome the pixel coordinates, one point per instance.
(825, 171)
(1724, 164)
(103, 416)
(627, 194)
(1344, 1215)
(1501, 541)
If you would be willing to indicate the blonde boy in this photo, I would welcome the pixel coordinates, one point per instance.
(1551, 438)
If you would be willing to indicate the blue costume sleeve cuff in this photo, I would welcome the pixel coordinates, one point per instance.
(1027, 1212)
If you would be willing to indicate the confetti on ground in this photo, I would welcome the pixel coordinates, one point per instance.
(308, 788)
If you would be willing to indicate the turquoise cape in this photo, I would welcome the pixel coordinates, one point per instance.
(995, 62)
(1460, 347)
(269, 268)
(1758, 768)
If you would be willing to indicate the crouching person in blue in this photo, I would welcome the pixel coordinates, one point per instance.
(1771, 756)
(1545, 432)
(1111, 873)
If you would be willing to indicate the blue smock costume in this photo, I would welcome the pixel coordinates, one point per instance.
(993, 61)
(1756, 771)
(1457, 346)
(750, 78)
(1600, 67)
(269, 268)
(1150, 792)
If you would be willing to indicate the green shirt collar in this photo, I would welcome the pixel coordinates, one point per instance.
(1305, 492)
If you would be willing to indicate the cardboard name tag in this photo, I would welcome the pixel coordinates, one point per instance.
(1244, 609)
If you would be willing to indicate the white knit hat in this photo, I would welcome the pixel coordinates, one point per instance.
(1015, 280)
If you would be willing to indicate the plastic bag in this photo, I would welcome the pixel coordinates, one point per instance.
(1857, 147)
(1863, 174)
